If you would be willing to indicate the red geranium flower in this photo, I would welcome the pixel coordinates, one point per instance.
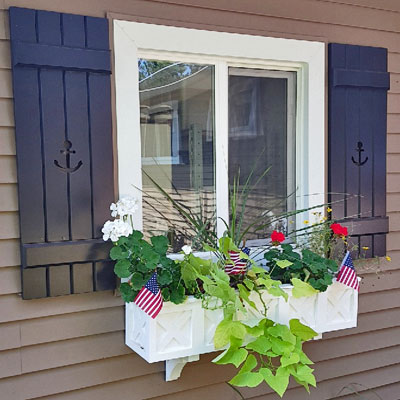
(277, 238)
(339, 230)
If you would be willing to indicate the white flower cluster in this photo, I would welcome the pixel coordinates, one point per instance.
(115, 229)
(123, 207)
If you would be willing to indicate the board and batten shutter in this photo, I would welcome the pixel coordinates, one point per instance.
(62, 105)
(358, 84)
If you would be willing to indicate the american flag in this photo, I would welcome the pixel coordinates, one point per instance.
(149, 298)
(347, 274)
(235, 265)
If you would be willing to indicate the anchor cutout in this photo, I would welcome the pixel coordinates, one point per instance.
(67, 152)
(359, 149)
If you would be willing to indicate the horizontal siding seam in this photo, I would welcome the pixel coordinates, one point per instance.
(250, 13)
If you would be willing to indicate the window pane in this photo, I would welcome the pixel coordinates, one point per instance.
(177, 139)
(261, 136)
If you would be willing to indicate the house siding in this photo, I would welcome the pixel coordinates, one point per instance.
(72, 347)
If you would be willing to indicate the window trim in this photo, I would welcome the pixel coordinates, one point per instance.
(134, 40)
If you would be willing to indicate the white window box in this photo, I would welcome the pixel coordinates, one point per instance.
(187, 330)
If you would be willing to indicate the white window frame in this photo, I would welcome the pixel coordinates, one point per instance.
(133, 40)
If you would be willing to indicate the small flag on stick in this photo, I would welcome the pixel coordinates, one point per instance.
(149, 298)
(347, 273)
(235, 265)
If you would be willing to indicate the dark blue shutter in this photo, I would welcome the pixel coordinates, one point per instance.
(358, 84)
(61, 82)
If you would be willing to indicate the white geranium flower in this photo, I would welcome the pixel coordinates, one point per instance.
(115, 229)
(124, 206)
(187, 249)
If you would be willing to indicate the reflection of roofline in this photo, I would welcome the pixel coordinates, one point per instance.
(173, 83)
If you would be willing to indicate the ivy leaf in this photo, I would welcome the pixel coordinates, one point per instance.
(261, 345)
(160, 244)
(283, 263)
(249, 379)
(122, 268)
(278, 382)
(280, 346)
(137, 281)
(244, 294)
(164, 277)
(226, 329)
(255, 331)
(304, 376)
(233, 356)
(302, 289)
(300, 330)
(304, 359)
(249, 283)
(293, 358)
(249, 365)
(282, 331)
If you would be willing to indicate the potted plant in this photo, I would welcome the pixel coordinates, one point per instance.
(225, 300)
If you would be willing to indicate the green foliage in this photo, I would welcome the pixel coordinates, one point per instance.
(138, 259)
(307, 266)
(268, 352)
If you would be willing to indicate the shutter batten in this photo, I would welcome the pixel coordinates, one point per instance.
(358, 84)
(62, 106)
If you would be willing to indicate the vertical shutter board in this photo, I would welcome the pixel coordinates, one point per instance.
(104, 275)
(52, 105)
(379, 141)
(59, 280)
(366, 241)
(83, 278)
(366, 172)
(358, 75)
(78, 133)
(53, 127)
(102, 162)
(29, 156)
(73, 30)
(97, 36)
(352, 137)
(48, 27)
(34, 283)
(23, 24)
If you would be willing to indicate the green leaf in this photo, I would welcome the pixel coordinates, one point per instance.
(122, 268)
(300, 330)
(304, 359)
(283, 263)
(164, 278)
(261, 345)
(244, 294)
(249, 379)
(304, 376)
(225, 330)
(166, 294)
(302, 289)
(281, 347)
(160, 244)
(137, 281)
(250, 364)
(178, 294)
(127, 293)
(249, 283)
(233, 356)
(255, 331)
(291, 359)
(278, 382)
(282, 331)
(116, 253)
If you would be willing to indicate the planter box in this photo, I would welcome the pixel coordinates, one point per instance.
(187, 329)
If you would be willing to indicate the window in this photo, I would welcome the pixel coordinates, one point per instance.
(204, 104)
